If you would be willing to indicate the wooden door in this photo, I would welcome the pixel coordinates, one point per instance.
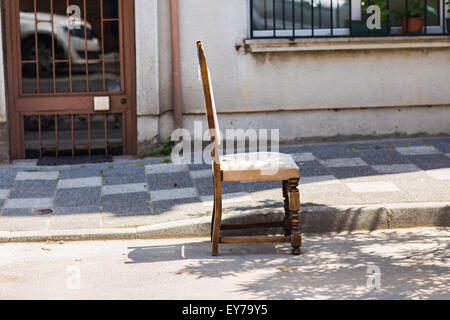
(62, 56)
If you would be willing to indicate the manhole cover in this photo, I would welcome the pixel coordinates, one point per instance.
(43, 212)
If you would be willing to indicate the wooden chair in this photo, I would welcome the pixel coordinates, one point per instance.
(244, 167)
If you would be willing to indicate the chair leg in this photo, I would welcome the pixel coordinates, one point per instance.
(294, 208)
(287, 217)
(217, 218)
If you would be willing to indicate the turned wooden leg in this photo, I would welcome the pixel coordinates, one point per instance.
(287, 217)
(294, 208)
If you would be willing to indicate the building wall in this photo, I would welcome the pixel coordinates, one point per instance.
(4, 131)
(317, 93)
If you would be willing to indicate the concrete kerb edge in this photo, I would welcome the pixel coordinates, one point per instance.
(315, 219)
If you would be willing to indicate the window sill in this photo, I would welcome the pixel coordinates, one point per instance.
(347, 43)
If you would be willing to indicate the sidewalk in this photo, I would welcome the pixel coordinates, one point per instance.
(359, 185)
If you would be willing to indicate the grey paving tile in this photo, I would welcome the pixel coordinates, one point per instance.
(127, 204)
(329, 195)
(319, 180)
(124, 188)
(78, 197)
(165, 168)
(442, 145)
(1, 204)
(26, 212)
(417, 150)
(312, 169)
(172, 194)
(350, 172)
(80, 183)
(382, 156)
(429, 162)
(76, 210)
(7, 178)
(201, 174)
(125, 175)
(33, 189)
(205, 187)
(255, 186)
(343, 162)
(332, 152)
(396, 168)
(371, 187)
(4, 193)
(170, 181)
(81, 172)
(160, 207)
(21, 176)
(31, 203)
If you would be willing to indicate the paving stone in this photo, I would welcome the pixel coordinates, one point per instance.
(201, 174)
(350, 172)
(382, 156)
(78, 197)
(429, 162)
(417, 150)
(25, 212)
(170, 181)
(7, 178)
(127, 204)
(312, 169)
(33, 203)
(128, 175)
(21, 176)
(205, 187)
(81, 172)
(124, 188)
(254, 186)
(303, 157)
(343, 162)
(328, 194)
(173, 194)
(33, 189)
(332, 152)
(80, 183)
(191, 204)
(396, 168)
(4, 193)
(76, 210)
(165, 168)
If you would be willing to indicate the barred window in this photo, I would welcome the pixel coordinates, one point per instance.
(315, 18)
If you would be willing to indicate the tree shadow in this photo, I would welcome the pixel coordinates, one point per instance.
(413, 265)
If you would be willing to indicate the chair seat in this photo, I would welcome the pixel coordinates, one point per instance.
(258, 166)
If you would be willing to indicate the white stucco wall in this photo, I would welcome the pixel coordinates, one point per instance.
(301, 80)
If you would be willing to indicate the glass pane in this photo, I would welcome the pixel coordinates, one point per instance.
(115, 141)
(112, 56)
(62, 77)
(81, 134)
(65, 135)
(300, 11)
(31, 128)
(48, 127)
(98, 134)
(94, 46)
(110, 9)
(29, 79)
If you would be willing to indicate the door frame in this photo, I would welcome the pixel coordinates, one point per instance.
(81, 103)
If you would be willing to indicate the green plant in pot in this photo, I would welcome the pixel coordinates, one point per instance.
(360, 27)
(413, 18)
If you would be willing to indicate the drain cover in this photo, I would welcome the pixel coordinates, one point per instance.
(43, 212)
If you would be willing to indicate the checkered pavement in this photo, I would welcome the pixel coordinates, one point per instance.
(146, 191)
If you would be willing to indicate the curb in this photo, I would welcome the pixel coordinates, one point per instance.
(315, 219)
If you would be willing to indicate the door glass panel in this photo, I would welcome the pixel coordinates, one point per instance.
(65, 135)
(115, 140)
(98, 143)
(32, 146)
(77, 46)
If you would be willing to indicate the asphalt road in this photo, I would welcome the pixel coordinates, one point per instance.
(395, 264)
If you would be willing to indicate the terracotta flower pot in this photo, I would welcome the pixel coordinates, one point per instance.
(415, 25)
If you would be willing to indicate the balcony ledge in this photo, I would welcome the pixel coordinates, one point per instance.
(347, 43)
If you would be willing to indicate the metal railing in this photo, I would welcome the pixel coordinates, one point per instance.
(341, 18)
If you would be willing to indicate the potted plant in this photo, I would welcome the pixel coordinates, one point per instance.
(413, 18)
(360, 27)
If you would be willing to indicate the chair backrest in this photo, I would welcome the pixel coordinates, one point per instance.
(210, 104)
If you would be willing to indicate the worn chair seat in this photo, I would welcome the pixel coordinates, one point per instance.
(258, 166)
